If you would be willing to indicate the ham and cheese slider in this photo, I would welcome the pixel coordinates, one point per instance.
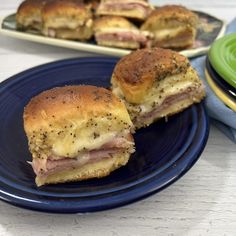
(76, 133)
(173, 26)
(67, 19)
(116, 31)
(28, 16)
(155, 83)
(135, 9)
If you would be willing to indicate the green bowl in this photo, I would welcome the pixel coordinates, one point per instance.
(222, 56)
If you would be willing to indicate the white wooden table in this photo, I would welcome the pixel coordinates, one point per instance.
(203, 202)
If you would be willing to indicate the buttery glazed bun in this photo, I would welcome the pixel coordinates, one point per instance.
(155, 83)
(28, 16)
(72, 122)
(67, 19)
(173, 26)
(61, 105)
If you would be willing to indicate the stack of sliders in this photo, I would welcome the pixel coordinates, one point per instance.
(130, 24)
(82, 132)
(76, 133)
(114, 26)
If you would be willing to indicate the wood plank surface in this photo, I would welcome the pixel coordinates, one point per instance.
(203, 202)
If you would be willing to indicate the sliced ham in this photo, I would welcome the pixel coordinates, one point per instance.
(145, 116)
(46, 166)
(124, 36)
(51, 33)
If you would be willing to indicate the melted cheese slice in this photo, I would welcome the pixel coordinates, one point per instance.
(66, 146)
(169, 86)
(167, 33)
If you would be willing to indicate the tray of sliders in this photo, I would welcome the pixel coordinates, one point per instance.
(90, 134)
(113, 27)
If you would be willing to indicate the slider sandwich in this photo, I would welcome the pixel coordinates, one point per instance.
(156, 83)
(116, 31)
(67, 19)
(28, 16)
(76, 133)
(135, 9)
(172, 26)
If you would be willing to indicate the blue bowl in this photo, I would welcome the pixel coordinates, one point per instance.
(227, 88)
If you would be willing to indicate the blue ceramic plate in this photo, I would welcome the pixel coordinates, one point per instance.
(165, 150)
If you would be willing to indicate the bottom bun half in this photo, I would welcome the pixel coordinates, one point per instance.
(88, 171)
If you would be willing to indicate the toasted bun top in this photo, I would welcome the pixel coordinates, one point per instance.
(66, 8)
(106, 22)
(135, 73)
(171, 13)
(77, 102)
(29, 7)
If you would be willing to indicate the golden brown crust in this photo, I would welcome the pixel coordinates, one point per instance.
(65, 8)
(56, 103)
(29, 14)
(112, 22)
(28, 6)
(136, 72)
(169, 13)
